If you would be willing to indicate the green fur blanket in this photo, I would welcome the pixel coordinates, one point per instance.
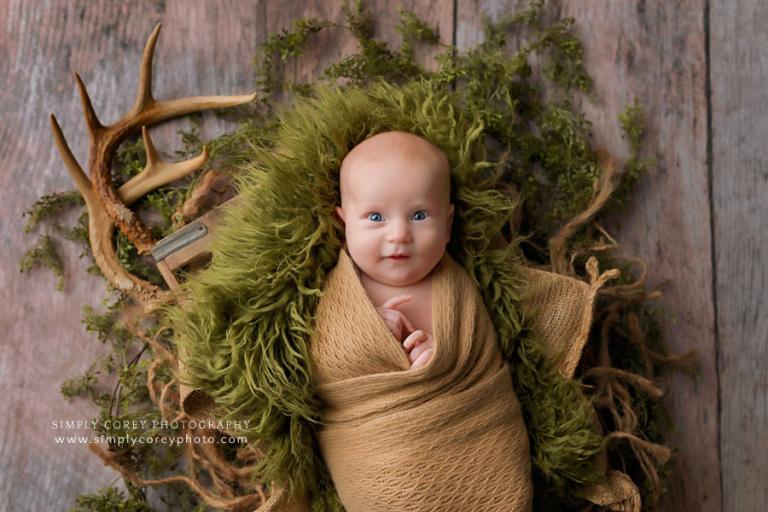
(244, 333)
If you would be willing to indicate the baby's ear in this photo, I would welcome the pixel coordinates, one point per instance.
(450, 222)
(340, 213)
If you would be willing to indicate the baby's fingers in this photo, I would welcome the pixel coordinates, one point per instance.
(423, 359)
(394, 327)
(394, 302)
(419, 349)
(407, 323)
(414, 339)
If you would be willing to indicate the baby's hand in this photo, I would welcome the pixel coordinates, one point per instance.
(420, 346)
(395, 320)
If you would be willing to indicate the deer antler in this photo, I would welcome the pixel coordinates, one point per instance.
(108, 207)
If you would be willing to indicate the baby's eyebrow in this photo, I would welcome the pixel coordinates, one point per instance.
(371, 206)
(367, 211)
(426, 205)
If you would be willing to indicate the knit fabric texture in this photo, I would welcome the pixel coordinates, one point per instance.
(447, 436)
(559, 310)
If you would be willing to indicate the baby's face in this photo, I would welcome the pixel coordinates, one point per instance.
(395, 193)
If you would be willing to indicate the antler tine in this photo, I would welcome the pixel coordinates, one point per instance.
(149, 149)
(92, 120)
(73, 167)
(144, 95)
(147, 108)
(157, 173)
(161, 110)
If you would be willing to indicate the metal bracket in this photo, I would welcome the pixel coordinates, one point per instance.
(182, 238)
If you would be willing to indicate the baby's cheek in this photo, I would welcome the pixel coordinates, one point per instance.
(434, 247)
(361, 247)
(368, 244)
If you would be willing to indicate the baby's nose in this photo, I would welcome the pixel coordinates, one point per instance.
(399, 232)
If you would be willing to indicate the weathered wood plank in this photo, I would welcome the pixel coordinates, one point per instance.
(203, 49)
(739, 71)
(655, 51)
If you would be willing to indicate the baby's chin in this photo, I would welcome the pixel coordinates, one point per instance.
(398, 278)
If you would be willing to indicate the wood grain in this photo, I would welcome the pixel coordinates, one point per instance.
(655, 52)
(740, 212)
(202, 50)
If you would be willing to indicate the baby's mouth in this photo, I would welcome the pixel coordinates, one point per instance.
(398, 257)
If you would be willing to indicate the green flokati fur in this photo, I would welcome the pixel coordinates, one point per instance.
(560, 421)
(244, 333)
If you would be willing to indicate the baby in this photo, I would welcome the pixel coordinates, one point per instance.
(395, 205)
(419, 412)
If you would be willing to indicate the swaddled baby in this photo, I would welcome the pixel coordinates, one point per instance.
(419, 409)
(395, 204)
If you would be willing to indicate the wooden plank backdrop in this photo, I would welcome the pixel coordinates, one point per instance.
(739, 170)
(695, 66)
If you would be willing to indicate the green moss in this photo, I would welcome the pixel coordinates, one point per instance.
(632, 123)
(130, 158)
(109, 499)
(282, 45)
(80, 386)
(44, 254)
(50, 206)
(415, 30)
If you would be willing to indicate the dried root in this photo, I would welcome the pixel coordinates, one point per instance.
(228, 485)
(616, 390)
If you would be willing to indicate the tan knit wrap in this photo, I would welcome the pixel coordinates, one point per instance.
(559, 311)
(448, 436)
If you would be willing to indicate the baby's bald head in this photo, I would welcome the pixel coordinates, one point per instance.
(400, 152)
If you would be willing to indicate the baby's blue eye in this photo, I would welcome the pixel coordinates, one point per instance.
(375, 217)
(420, 215)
